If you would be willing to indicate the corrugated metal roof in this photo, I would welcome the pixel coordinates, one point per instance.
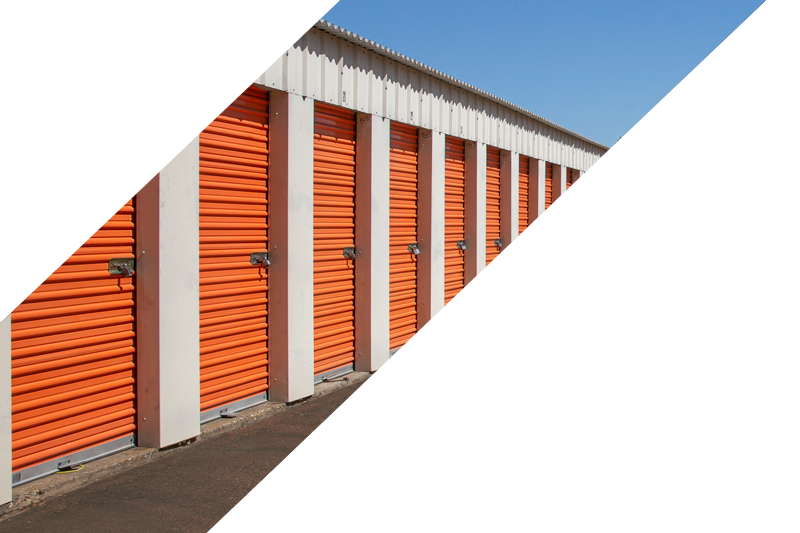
(405, 60)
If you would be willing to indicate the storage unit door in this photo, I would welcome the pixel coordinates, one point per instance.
(334, 235)
(493, 229)
(524, 184)
(570, 177)
(73, 356)
(548, 185)
(454, 221)
(403, 196)
(233, 225)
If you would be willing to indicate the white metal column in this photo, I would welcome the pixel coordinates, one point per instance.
(537, 186)
(168, 303)
(476, 209)
(509, 196)
(291, 223)
(5, 410)
(430, 268)
(373, 136)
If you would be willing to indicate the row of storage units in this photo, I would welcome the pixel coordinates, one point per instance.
(73, 341)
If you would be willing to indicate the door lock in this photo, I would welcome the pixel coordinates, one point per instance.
(413, 248)
(122, 266)
(461, 245)
(260, 259)
(498, 243)
(349, 253)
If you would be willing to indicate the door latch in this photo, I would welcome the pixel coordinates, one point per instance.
(413, 248)
(498, 243)
(122, 266)
(349, 253)
(260, 259)
(461, 245)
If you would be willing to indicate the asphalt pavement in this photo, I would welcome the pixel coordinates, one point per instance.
(189, 491)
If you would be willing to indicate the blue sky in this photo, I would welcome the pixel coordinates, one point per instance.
(593, 67)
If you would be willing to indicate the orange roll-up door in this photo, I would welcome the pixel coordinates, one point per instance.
(233, 225)
(454, 212)
(334, 230)
(570, 177)
(493, 229)
(524, 184)
(403, 195)
(73, 355)
(548, 185)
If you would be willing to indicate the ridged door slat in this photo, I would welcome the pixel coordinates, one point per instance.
(454, 212)
(334, 230)
(548, 185)
(403, 198)
(73, 353)
(569, 178)
(493, 209)
(524, 192)
(234, 211)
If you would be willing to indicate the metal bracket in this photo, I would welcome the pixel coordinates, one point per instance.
(122, 266)
(498, 243)
(66, 468)
(349, 253)
(461, 245)
(327, 380)
(413, 248)
(260, 259)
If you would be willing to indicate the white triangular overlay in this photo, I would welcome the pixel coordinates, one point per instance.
(97, 97)
(630, 363)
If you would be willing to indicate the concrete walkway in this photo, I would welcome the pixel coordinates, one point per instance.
(188, 489)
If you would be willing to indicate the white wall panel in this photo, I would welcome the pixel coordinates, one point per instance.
(347, 72)
(377, 85)
(311, 71)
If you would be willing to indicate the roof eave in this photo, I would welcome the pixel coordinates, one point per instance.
(354, 38)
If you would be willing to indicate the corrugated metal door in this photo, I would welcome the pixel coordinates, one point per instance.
(524, 183)
(403, 196)
(334, 232)
(548, 185)
(233, 225)
(493, 228)
(570, 177)
(73, 354)
(454, 212)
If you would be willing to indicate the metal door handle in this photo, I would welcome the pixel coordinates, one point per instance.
(122, 266)
(260, 259)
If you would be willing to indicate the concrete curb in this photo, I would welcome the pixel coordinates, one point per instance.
(36, 492)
